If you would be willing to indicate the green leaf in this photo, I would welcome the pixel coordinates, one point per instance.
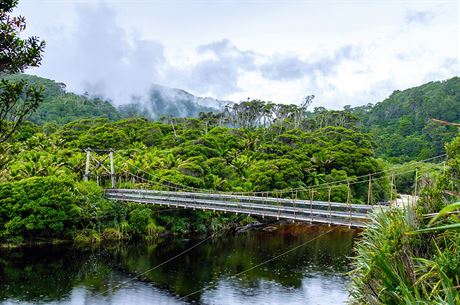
(446, 210)
(439, 228)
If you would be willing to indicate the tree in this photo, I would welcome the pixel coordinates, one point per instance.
(17, 99)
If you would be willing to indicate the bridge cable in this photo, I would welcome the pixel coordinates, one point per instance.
(164, 262)
(261, 264)
(285, 190)
(279, 192)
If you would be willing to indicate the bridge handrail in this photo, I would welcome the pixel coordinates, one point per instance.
(325, 220)
(245, 198)
(260, 207)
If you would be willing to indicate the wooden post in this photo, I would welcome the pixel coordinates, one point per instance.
(112, 169)
(329, 204)
(369, 191)
(349, 202)
(415, 186)
(392, 186)
(295, 206)
(99, 162)
(88, 160)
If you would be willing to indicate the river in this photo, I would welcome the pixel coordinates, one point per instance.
(227, 269)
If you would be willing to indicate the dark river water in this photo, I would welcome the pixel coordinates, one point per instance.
(222, 270)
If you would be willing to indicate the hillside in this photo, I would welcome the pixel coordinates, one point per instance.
(401, 124)
(164, 101)
(62, 107)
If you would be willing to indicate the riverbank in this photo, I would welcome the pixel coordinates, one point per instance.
(54, 209)
(411, 255)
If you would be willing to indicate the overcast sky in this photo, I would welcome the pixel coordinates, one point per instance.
(344, 52)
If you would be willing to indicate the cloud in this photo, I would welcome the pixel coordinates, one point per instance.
(420, 17)
(99, 53)
(292, 67)
(99, 58)
(219, 71)
(448, 66)
(223, 66)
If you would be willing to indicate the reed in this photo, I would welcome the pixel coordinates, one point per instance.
(404, 258)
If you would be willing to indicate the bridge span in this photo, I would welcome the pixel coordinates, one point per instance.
(321, 212)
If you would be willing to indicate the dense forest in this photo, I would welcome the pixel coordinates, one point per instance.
(185, 152)
(400, 126)
(61, 107)
(252, 146)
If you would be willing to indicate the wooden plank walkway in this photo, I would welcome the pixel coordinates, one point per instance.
(332, 213)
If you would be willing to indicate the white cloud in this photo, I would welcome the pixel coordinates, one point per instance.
(422, 17)
(344, 53)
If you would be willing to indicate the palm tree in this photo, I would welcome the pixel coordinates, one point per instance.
(314, 178)
(321, 161)
(218, 183)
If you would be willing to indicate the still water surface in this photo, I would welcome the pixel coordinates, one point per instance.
(65, 274)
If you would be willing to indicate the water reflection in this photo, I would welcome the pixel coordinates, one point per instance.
(96, 275)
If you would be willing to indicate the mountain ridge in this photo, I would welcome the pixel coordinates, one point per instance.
(61, 106)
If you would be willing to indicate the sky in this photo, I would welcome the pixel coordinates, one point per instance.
(343, 52)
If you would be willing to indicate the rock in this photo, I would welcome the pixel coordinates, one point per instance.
(248, 227)
(270, 229)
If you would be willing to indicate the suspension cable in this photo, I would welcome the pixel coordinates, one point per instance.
(277, 192)
(261, 264)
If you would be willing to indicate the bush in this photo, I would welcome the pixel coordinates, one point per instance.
(112, 234)
(38, 207)
(395, 267)
(87, 236)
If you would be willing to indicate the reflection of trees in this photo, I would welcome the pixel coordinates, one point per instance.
(224, 257)
(50, 273)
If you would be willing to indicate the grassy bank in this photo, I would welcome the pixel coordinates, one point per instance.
(412, 256)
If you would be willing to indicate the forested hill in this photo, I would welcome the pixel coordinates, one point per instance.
(164, 101)
(401, 124)
(62, 107)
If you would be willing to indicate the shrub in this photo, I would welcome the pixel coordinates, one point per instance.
(38, 207)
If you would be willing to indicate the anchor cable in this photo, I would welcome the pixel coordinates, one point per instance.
(261, 264)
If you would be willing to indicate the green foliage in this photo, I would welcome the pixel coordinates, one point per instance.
(401, 124)
(411, 256)
(38, 207)
(219, 158)
(393, 267)
(18, 99)
(61, 107)
(293, 149)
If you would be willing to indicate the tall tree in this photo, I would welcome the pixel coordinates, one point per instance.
(17, 99)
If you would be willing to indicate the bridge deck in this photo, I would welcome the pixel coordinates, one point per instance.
(336, 213)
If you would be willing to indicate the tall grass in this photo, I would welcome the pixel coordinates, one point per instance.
(399, 261)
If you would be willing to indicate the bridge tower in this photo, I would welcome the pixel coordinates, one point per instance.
(98, 158)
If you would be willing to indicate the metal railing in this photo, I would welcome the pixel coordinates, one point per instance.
(331, 213)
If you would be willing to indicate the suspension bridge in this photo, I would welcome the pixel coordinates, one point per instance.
(271, 204)
(332, 213)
